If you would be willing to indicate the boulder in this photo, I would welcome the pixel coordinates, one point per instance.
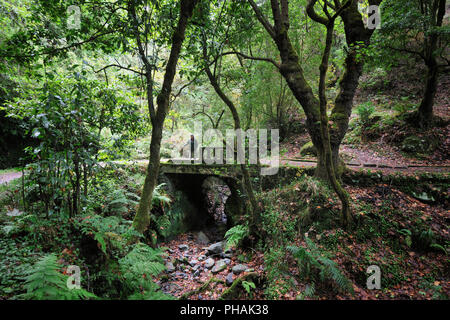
(215, 248)
(201, 238)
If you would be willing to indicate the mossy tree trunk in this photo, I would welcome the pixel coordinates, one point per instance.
(290, 68)
(436, 10)
(142, 219)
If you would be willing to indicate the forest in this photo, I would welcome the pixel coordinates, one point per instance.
(224, 150)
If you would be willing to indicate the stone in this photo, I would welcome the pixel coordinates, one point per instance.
(215, 248)
(201, 257)
(170, 267)
(209, 263)
(229, 279)
(193, 262)
(227, 261)
(226, 255)
(183, 247)
(239, 268)
(196, 273)
(219, 266)
(308, 149)
(202, 238)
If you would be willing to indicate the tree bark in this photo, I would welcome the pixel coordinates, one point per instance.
(425, 111)
(142, 219)
(356, 33)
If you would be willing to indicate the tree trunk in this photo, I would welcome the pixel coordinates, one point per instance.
(425, 112)
(142, 219)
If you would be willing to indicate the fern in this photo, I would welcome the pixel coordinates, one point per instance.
(137, 269)
(235, 235)
(313, 264)
(119, 201)
(158, 197)
(45, 282)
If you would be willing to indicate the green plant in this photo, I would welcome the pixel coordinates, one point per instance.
(137, 269)
(248, 286)
(235, 235)
(315, 265)
(45, 282)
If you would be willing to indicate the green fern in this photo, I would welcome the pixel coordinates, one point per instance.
(120, 200)
(235, 235)
(313, 264)
(158, 197)
(138, 268)
(45, 282)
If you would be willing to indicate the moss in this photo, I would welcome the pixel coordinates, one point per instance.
(308, 149)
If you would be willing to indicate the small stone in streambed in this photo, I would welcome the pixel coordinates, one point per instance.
(229, 279)
(201, 257)
(183, 247)
(193, 262)
(170, 267)
(239, 268)
(219, 266)
(209, 263)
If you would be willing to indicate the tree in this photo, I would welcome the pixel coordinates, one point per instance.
(415, 28)
(142, 219)
(357, 37)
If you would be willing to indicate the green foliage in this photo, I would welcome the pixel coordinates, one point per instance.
(316, 265)
(365, 110)
(235, 235)
(137, 269)
(45, 282)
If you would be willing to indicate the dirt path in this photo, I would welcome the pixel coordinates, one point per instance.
(7, 177)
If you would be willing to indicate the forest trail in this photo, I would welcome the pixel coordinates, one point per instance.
(8, 176)
(302, 163)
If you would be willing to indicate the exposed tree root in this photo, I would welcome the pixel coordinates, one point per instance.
(232, 291)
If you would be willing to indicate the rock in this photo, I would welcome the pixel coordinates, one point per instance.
(239, 268)
(308, 149)
(195, 268)
(170, 267)
(215, 248)
(229, 279)
(202, 238)
(196, 273)
(250, 270)
(227, 261)
(201, 257)
(209, 263)
(415, 144)
(183, 247)
(193, 262)
(219, 266)
(226, 255)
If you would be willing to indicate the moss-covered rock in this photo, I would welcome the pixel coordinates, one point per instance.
(416, 144)
(308, 149)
